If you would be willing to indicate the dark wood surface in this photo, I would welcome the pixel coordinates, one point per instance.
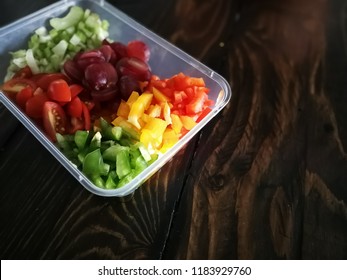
(266, 179)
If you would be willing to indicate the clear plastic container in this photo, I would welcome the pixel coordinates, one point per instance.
(166, 60)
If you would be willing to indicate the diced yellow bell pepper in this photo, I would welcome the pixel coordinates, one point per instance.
(132, 98)
(152, 133)
(138, 108)
(157, 126)
(154, 111)
(170, 138)
(176, 123)
(123, 109)
(148, 139)
(166, 112)
(187, 122)
(145, 118)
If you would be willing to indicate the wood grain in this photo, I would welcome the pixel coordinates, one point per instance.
(266, 179)
(263, 191)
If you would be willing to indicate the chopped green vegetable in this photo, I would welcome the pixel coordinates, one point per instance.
(48, 49)
(71, 19)
(93, 164)
(109, 158)
(81, 137)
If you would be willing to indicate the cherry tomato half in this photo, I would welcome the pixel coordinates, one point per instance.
(54, 119)
(23, 96)
(34, 105)
(74, 107)
(25, 72)
(86, 116)
(43, 80)
(17, 84)
(75, 90)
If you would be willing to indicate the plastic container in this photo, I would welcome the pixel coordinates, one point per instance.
(166, 60)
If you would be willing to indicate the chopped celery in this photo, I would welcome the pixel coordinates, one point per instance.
(50, 47)
(60, 48)
(29, 56)
(72, 18)
(75, 40)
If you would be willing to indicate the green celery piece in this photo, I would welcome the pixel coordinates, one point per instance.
(47, 53)
(92, 20)
(105, 24)
(86, 13)
(31, 61)
(74, 40)
(71, 30)
(123, 167)
(72, 18)
(60, 48)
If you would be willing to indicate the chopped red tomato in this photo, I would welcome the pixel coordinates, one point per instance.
(75, 124)
(23, 73)
(196, 104)
(74, 107)
(23, 96)
(34, 105)
(54, 119)
(59, 90)
(43, 80)
(75, 90)
(17, 84)
(203, 114)
(86, 117)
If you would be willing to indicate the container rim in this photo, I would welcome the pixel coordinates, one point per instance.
(224, 97)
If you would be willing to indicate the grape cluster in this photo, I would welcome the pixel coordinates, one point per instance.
(112, 70)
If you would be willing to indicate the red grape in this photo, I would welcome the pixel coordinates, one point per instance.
(101, 75)
(105, 94)
(128, 84)
(72, 70)
(138, 49)
(120, 49)
(135, 67)
(89, 57)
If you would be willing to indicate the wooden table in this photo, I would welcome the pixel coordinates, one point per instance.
(266, 179)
